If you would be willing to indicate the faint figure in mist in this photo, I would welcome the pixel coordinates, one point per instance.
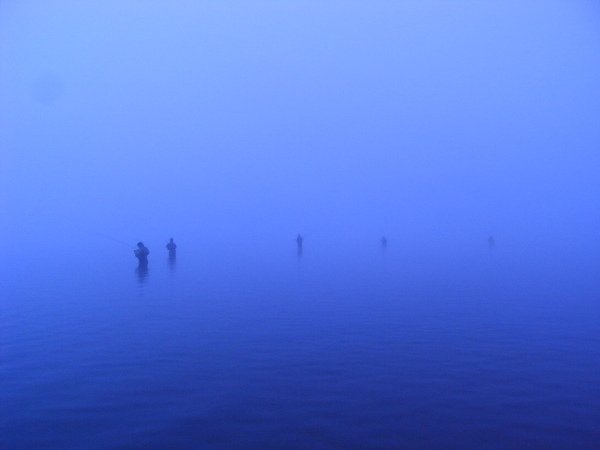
(299, 242)
(384, 242)
(141, 253)
(491, 242)
(172, 248)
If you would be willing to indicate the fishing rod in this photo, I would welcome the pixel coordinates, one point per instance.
(110, 238)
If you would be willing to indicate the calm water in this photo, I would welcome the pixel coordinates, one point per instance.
(266, 349)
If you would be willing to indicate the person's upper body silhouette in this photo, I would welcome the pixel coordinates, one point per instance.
(171, 246)
(141, 253)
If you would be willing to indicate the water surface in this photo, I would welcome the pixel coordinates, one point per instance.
(264, 348)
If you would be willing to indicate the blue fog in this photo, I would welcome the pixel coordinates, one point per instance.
(234, 126)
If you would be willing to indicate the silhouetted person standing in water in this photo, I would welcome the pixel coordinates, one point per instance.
(172, 247)
(383, 242)
(141, 253)
(491, 242)
(299, 241)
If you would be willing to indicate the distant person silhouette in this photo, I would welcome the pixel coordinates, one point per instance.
(491, 242)
(141, 253)
(383, 242)
(172, 247)
(299, 241)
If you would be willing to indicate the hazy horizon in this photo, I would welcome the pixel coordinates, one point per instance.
(426, 122)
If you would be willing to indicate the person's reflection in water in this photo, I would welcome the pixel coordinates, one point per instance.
(172, 260)
(142, 273)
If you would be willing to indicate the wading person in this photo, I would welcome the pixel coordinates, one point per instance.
(141, 253)
(172, 247)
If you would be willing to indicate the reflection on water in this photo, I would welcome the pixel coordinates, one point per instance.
(262, 355)
(141, 272)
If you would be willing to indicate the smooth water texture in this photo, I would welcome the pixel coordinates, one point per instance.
(335, 348)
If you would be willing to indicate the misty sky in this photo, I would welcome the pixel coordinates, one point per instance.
(406, 118)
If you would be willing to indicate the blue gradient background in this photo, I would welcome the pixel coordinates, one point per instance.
(233, 126)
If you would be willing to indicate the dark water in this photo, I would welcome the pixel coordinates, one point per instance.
(266, 349)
